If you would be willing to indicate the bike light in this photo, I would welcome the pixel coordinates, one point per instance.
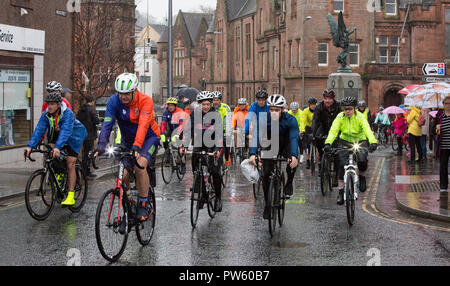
(356, 146)
(110, 150)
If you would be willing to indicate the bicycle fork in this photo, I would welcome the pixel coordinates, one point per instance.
(350, 171)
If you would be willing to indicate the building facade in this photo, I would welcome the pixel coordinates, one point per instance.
(190, 53)
(35, 48)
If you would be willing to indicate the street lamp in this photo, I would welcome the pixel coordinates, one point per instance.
(303, 58)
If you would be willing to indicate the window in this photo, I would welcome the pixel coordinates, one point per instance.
(275, 56)
(261, 20)
(383, 55)
(391, 7)
(15, 113)
(447, 33)
(293, 8)
(338, 5)
(179, 62)
(384, 47)
(395, 52)
(354, 54)
(248, 42)
(323, 54)
(238, 44)
(290, 54)
(389, 49)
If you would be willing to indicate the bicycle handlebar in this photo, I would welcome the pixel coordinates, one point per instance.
(49, 151)
(121, 154)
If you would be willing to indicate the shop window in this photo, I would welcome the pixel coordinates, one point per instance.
(15, 112)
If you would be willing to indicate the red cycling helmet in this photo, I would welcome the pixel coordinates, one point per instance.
(329, 93)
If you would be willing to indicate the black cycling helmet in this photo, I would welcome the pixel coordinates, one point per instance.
(312, 101)
(349, 101)
(53, 97)
(262, 93)
(329, 93)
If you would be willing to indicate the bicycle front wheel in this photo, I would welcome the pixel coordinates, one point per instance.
(111, 226)
(81, 190)
(145, 230)
(394, 144)
(325, 176)
(39, 198)
(282, 202)
(196, 197)
(313, 159)
(272, 203)
(350, 199)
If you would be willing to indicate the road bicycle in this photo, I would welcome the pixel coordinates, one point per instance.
(381, 135)
(276, 199)
(202, 191)
(49, 185)
(351, 178)
(173, 162)
(312, 152)
(116, 210)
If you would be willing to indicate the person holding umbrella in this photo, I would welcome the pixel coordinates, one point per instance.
(415, 132)
(443, 130)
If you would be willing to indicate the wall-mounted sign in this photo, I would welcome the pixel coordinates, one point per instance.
(15, 76)
(434, 69)
(21, 39)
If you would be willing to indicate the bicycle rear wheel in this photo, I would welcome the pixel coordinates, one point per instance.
(394, 144)
(272, 203)
(81, 190)
(211, 200)
(256, 189)
(108, 224)
(166, 167)
(350, 199)
(145, 230)
(225, 174)
(196, 197)
(39, 198)
(313, 159)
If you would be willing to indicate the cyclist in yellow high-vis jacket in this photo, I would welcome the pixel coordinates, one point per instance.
(306, 128)
(297, 113)
(353, 128)
(225, 113)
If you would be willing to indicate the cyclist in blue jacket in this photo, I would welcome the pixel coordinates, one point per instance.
(65, 133)
(287, 143)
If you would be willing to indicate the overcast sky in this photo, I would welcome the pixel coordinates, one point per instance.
(159, 8)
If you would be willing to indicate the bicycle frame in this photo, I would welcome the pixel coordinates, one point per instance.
(351, 169)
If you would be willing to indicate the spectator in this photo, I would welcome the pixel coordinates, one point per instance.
(400, 126)
(88, 117)
(443, 130)
(425, 131)
(415, 132)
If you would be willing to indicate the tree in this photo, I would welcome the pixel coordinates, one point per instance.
(103, 45)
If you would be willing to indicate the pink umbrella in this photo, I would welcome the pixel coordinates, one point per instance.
(408, 89)
(394, 110)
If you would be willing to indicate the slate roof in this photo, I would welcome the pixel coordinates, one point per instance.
(240, 8)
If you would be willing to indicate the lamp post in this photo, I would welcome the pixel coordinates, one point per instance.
(303, 58)
(170, 59)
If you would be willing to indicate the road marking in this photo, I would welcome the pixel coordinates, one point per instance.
(372, 193)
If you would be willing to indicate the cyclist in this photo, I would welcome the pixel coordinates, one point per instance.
(324, 115)
(65, 133)
(225, 113)
(239, 115)
(306, 128)
(55, 87)
(287, 141)
(353, 128)
(383, 121)
(172, 122)
(140, 133)
(297, 113)
(203, 120)
(362, 107)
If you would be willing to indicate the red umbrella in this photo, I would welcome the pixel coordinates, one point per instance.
(408, 89)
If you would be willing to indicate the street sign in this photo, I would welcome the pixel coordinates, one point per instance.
(436, 79)
(434, 69)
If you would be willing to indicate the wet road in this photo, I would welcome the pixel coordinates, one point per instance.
(315, 231)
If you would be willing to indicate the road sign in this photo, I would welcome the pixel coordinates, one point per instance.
(436, 79)
(434, 69)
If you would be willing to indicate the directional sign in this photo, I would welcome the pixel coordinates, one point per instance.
(435, 79)
(434, 69)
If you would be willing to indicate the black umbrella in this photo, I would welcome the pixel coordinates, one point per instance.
(189, 93)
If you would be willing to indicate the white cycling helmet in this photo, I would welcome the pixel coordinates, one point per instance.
(242, 101)
(126, 82)
(53, 86)
(276, 100)
(204, 95)
(295, 106)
